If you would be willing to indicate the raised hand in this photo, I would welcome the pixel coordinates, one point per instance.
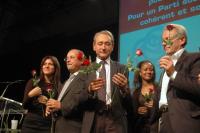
(51, 106)
(142, 110)
(96, 84)
(149, 104)
(167, 63)
(120, 80)
(42, 99)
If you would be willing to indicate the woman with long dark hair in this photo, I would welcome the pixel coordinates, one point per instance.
(38, 90)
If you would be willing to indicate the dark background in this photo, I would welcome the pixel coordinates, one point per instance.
(32, 29)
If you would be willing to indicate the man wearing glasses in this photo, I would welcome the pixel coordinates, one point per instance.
(180, 90)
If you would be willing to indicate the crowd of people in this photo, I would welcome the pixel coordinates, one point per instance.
(101, 101)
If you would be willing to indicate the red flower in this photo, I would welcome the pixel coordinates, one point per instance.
(149, 96)
(80, 56)
(88, 66)
(49, 87)
(35, 79)
(86, 62)
(138, 52)
(50, 90)
(170, 27)
(151, 90)
(169, 41)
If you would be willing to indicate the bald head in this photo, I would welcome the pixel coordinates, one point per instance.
(74, 60)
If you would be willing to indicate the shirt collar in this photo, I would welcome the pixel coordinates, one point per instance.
(107, 60)
(177, 55)
(76, 73)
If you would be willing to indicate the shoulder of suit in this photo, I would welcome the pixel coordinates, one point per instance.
(192, 56)
(82, 76)
(197, 54)
(117, 63)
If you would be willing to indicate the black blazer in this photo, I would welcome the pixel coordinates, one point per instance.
(183, 95)
(119, 102)
(70, 116)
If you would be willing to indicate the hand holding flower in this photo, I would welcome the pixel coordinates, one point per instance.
(52, 105)
(120, 80)
(35, 92)
(167, 63)
(149, 103)
(148, 97)
(42, 99)
(142, 110)
(96, 84)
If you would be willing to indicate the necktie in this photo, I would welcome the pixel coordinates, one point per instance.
(67, 83)
(102, 74)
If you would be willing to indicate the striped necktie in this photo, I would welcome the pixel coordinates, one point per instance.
(102, 74)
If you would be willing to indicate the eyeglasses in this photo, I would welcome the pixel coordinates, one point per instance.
(171, 40)
(67, 58)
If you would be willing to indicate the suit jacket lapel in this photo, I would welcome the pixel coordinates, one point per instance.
(113, 70)
(180, 61)
(178, 66)
(74, 81)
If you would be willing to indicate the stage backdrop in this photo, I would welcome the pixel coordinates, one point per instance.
(142, 22)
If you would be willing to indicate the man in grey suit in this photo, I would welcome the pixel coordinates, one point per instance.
(180, 89)
(67, 109)
(109, 94)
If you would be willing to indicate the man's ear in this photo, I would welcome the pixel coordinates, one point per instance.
(182, 41)
(113, 47)
(93, 46)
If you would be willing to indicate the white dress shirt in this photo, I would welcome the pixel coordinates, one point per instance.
(165, 80)
(108, 79)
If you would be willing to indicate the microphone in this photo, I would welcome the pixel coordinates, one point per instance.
(8, 84)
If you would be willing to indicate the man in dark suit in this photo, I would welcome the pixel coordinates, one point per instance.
(180, 90)
(67, 109)
(108, 91)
